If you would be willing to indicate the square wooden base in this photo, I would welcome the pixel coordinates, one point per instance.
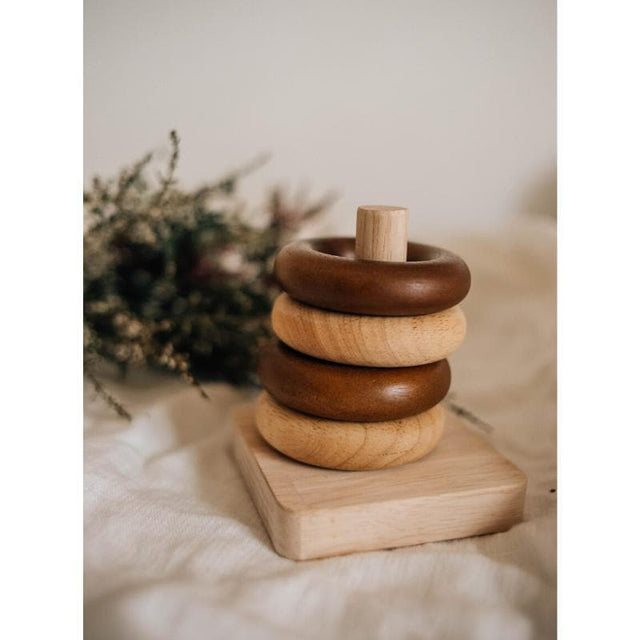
(463, 488)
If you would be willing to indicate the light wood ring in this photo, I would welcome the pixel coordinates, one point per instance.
(350, 446)
(369, 341)
(324, 273)
(342, 392)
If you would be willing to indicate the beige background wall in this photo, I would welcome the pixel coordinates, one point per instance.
(445, 106)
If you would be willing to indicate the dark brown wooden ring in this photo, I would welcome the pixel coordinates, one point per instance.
(324, 273)
(343, 392)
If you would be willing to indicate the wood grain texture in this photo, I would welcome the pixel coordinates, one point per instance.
(381, 233)
(350, 446)
(370, 341)
(324, 273)
(346, 392)
(463, 488)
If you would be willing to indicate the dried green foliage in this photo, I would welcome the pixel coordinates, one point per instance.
(177, 279)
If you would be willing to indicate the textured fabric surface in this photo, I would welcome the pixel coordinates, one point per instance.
(174, 548)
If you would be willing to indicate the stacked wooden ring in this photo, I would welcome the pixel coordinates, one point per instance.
(365, 326)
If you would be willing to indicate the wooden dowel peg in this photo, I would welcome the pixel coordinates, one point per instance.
(381, 233)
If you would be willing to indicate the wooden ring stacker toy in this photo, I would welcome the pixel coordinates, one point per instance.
(357, 394)
(369, 341)
(323, 273)
(462, 488)
(350, 446)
